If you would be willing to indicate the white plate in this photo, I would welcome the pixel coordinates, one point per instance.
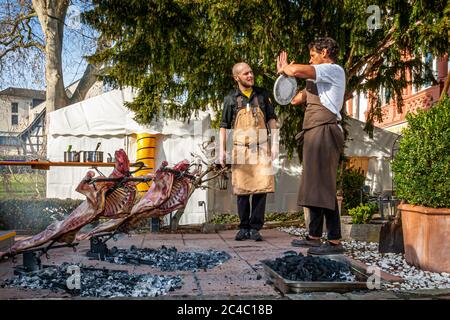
(285, 89)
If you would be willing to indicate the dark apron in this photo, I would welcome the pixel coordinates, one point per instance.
(323, 142)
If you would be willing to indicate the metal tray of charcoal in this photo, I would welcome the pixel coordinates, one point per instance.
(289, 286)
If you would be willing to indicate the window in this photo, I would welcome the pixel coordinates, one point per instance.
(14, 120)
(432, 62)
(14, 107)
(37, 102)
(385, 95)
(429, 62)
(9, 141)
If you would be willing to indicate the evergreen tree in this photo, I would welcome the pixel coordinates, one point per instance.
(179, 53)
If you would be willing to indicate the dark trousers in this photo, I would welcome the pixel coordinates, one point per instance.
(332, 221)
(256, 219)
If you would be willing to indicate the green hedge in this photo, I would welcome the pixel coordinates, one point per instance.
(422, 165)
(34, 214)
(224, 218)
(352, 184)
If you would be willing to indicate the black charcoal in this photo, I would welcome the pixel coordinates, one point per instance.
(98, 283)
(168, 258)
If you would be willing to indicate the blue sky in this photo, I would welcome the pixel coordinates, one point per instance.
(27, 69)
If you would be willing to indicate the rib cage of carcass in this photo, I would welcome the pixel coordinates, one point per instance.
(115, 198)
(170, 190)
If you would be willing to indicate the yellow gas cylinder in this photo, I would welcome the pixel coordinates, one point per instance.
(146, 153)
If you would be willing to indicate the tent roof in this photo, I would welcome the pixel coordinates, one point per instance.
(106, 114)
(360, 144)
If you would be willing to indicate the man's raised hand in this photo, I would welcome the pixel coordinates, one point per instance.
(281, 61)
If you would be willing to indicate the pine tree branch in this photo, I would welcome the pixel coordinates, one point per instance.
(375, 54)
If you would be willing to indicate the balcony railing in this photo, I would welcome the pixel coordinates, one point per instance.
(421, 100)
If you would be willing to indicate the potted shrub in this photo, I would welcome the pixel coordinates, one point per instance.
(422, 178)
(359, 224)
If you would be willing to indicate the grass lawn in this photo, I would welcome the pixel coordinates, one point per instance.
(22, 185)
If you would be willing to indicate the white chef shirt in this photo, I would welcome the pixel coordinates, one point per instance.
(330, 81)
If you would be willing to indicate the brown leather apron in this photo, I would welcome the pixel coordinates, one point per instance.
(252, 164)
(323, 142)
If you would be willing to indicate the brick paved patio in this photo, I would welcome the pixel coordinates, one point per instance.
(241, 277)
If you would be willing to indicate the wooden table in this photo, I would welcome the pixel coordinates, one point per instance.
(45, 165)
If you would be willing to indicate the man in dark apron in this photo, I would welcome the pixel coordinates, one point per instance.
(249, 112)
(322, 139)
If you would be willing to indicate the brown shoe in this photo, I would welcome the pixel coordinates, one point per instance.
(307, 242)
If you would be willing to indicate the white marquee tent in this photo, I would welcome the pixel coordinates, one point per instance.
(105, 119)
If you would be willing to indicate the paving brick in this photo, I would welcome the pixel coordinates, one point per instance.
(200, 236)
(163, 236)
(205, 244)
(242, 276)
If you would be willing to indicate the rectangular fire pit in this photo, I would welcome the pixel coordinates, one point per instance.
(289, 286)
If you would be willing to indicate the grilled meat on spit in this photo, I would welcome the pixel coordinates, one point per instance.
(168, 192)
(102, 199)
(113, 198)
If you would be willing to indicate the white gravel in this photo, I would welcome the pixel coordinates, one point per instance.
(391, 263)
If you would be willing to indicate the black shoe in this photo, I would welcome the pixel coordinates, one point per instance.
(243, 234)
(306, 243)
(327, 248)
(254, 235)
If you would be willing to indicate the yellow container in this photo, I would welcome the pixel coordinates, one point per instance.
(146, 140)
(149, 163)
(143, 172)
(146, 151)
(143, 187)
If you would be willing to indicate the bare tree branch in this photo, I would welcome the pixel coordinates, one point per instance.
(17, 32)
(90, 76)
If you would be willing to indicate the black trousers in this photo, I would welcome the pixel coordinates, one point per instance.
(256, 219)
(332, 221)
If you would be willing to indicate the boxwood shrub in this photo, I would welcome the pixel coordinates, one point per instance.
(422, 165)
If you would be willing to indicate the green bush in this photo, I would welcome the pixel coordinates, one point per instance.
(224, 218)
(422, 165)
(34, 215)
(362, 213)
(352, 184)
(272, 216)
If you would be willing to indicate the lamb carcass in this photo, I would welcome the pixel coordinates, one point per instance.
(102, 199)
(168, 192)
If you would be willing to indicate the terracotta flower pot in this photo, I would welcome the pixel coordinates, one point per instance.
(426, 234)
